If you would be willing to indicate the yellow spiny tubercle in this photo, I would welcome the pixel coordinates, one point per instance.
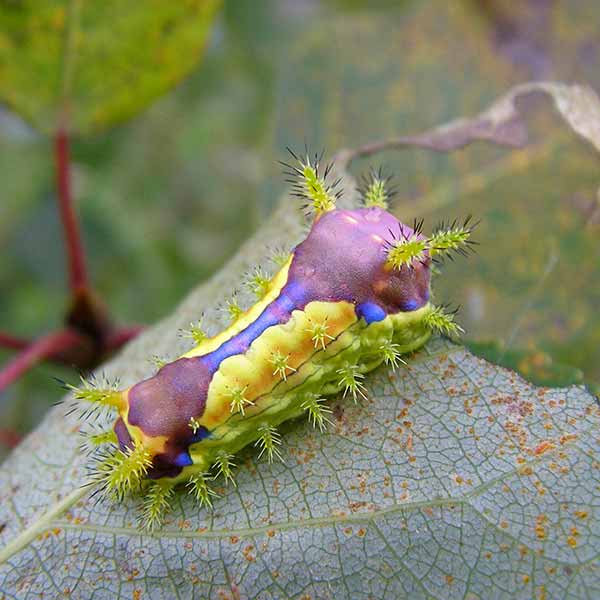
(351, 381)
(409, 248)
(319, 335)
(405, 251)
(224, 466)
(200, 489)
(268, 441)
(316, 189)
(259, 283)
(391, 354)
(280, 257)
(374, 190)
(105, 437)
(317, 411)
(238, 399)
(310, 184)
(156, 504)
(101, 392)
(452, 238)
(440, 320)
(234, 309)
(281, 364)
(158, 361)
(196, 333)
(123, 472)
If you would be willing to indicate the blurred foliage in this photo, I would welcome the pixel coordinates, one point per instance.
(538, 367)
(166, 198)
(98, 62)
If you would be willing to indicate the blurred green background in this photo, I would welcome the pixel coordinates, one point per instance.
(167, 196)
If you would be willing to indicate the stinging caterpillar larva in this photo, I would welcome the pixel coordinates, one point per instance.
(354, 294)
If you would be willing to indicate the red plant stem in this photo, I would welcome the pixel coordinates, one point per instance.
(75, 255)
(13, 343)
(121, 336)
(37, 351)
(9, 438)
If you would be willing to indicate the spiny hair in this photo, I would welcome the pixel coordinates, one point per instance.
(268, 441)
(156, 504)
(375, 189)
(391, 354)
(317, 411)
(195, 332)
(451, 237)
(407, 247)
(318, 332)
(93, 399)
(96, 389)
(237, 399)
(94, 437)
(224, 465)
(258, 282)
(233, 308)
(442, 320)
(351, 381)
(118, 473)
(199, 488)
(309, 181)
(158, 361)
(279, 256)
(281, 365)
(230, 309)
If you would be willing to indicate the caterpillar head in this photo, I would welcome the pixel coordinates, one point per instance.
(366, 255)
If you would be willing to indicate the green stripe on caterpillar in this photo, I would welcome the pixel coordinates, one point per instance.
(353, 295)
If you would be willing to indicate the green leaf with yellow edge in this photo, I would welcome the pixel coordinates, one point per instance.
(86, 65)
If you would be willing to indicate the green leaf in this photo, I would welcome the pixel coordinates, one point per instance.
(456, 478)
(93, 63)
(537, 367)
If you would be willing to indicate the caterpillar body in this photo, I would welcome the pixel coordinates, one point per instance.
(354, 294)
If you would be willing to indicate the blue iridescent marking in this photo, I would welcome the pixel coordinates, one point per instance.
(409, 305)
(370, 311)
(200, 434)
(183, 459)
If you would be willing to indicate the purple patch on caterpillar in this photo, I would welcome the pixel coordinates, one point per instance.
(165, 403)
(344, 256)
(277, 312)
(122, 434)
(163, 406)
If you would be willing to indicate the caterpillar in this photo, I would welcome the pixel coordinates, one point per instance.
(354, 294)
